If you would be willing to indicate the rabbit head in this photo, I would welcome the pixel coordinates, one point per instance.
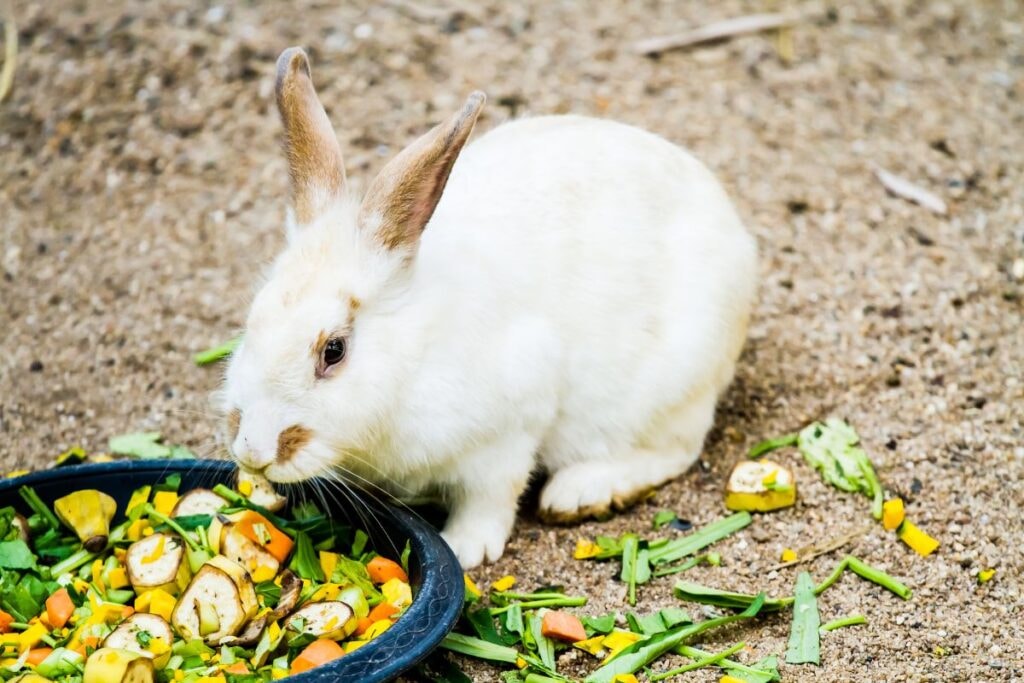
(332, 331)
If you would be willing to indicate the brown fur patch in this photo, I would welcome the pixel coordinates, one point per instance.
(234, 423)
(320, 343)
(353, 306)
(402, 198)
(290, 441)
(314, 156)
(600, 512)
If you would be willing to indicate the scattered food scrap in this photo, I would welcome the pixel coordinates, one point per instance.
(216, 353)
(719, 30)
(804, 640)
(904, 189)
(760, 486)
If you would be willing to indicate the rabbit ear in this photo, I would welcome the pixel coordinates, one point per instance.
(402, 198)
(314, 156)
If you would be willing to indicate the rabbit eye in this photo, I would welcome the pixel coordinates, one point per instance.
(334, 351)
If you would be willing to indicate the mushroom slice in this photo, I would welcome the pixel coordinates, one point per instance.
(107, 664)
(198, 502)
(291, 588)
(158, 561)
(210, 608)
(137, 633)
(259, 491)
(246, 589)
(261, 565)
(21, 524)
(331, 619)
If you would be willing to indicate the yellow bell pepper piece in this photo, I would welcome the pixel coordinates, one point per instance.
(985, 575)
(328, 591)
(504, 583)
(164, 501)
(136, 528)
(617, 641)
(788, 555)
(376, 628)
(118, 578)
(921, 542)
(586, 549)
(328, 561)
(31, 636)
(245, 487)
(470, 586)
(397, 592)
(158, 551)
(625, 678)
(729, 679)
(97, 575)
(353, 645)
(592, 646)
(161, 603)
(893, 514)
(139, 496)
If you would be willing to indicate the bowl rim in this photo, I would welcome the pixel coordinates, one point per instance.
(437, 604)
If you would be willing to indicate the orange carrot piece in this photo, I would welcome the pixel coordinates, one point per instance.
(59, 608)
(238, 668)
(37, 655)
(384, 610)
(280, 545)
(316, 653)
(562, 626)
(5, 622)
(382, 570)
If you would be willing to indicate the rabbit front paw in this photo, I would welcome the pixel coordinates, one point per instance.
(476, 541)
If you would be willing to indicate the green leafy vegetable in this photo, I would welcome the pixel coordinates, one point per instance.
(479, 648)
(630, 548)
(663, 518)
(352, 571)
(603, 624)
(832, 447)
(693, 592)
(16, 555)
(505, 600)
(804, 641)
(305, 562)
(537, 641)
(216, 353)
(60, 662)
(679, 548)
(141, 445)
(643, 652)
(32, 499)
(714, 559)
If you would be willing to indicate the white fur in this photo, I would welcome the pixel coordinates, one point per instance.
(578, 302)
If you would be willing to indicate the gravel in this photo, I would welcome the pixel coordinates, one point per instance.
(141, 190)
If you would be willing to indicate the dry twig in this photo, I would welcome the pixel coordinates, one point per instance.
(903, 188)
(808, 554)
(719, 30)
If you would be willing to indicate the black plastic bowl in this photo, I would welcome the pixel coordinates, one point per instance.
(433, 569)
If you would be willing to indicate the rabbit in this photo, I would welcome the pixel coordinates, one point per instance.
(566, 294)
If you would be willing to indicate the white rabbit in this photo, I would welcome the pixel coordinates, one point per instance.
(572, 297)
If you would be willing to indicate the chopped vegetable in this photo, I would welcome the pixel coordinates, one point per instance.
(709, 660)
(984, 576)
(760, 486)
(804, 641)
(88, 513)
(562, 626)
(644, 652)
(769, 445)
(923, 544)
(59, 608)
(381, 570)
(832, 447)
(763, 671)
(663, 518)
(504, 583)
(107, 664)
(892, 514)
(788, 555)
(216, 353)
(852, 620)
(677, 549)
(316, 653)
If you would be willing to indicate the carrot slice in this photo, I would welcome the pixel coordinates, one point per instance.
(382, 570)
(562, 626)
(59, 608)
(238, 668)
(5, 622)
(37, 655)
(316, 653)
(384, 610)
(259, 530)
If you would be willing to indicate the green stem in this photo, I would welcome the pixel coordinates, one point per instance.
(533, 604)
(212, 355)
(19, 626)
(72, 562)
(481, 649)
(868, 572)
(684, 566)
(769, 445)
(833, 577)
(700, 663)
(32, 499)
(153, 513)
(694, 653)
(852, 620)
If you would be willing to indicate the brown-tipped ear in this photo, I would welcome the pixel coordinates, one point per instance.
(314, 156)
(402, 198)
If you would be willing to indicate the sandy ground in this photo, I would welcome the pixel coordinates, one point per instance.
(141, 192)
